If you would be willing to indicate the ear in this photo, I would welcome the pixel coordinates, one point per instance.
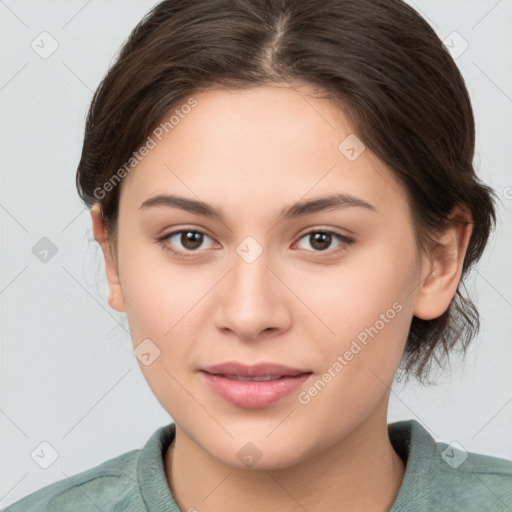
(444, 266)
(115, 299)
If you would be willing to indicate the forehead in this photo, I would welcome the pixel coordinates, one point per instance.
(260, 147)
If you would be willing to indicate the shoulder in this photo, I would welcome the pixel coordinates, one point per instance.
(474, 481)
(126, 482)
(98, 488)
(444, 476)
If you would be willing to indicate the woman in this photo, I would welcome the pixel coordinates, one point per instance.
(285, 199)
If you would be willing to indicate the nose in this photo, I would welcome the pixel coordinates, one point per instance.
(253, 302)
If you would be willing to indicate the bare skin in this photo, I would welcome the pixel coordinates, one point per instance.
(251, 154)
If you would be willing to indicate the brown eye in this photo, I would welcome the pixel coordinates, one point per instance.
(185, 242)
(191, 240)
(320, 241)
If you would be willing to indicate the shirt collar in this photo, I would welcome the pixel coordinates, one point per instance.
(151, 472)
(417, 448)
(409, 439)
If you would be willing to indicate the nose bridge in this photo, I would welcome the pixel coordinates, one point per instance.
(251, 302)
(250, 283)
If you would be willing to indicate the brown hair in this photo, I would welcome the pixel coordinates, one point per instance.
(377, 60)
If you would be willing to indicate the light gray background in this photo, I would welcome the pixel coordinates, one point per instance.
(68, 372)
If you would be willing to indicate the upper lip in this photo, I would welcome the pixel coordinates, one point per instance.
(257, 370)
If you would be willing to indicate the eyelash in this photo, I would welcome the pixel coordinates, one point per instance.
(345, 241)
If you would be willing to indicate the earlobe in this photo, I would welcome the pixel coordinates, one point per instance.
(444, 267)
(115, 299)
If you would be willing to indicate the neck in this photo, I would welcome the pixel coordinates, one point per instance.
(360, 472)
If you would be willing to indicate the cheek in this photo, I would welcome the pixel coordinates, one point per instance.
(159, 294)
(162, 301)
(367, 306)
(367, 289)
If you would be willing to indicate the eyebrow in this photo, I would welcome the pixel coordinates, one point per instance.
(300, 208)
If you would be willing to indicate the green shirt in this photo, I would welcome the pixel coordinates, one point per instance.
(438, 477)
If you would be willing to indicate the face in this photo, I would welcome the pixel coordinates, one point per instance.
(328, 292)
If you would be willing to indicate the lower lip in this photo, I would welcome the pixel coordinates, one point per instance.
(254, 394)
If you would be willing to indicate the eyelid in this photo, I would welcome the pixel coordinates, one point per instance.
(344, 240)
(182, 254)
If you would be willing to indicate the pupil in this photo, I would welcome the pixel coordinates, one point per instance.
(191, 239)
(323, 239)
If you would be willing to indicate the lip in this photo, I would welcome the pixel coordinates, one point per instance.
(253, 394)
(256, 370)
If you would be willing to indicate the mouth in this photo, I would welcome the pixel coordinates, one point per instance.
(265, 370)
(253, 379)
(254, 387)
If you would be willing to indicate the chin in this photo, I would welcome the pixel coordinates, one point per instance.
(258, 455)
